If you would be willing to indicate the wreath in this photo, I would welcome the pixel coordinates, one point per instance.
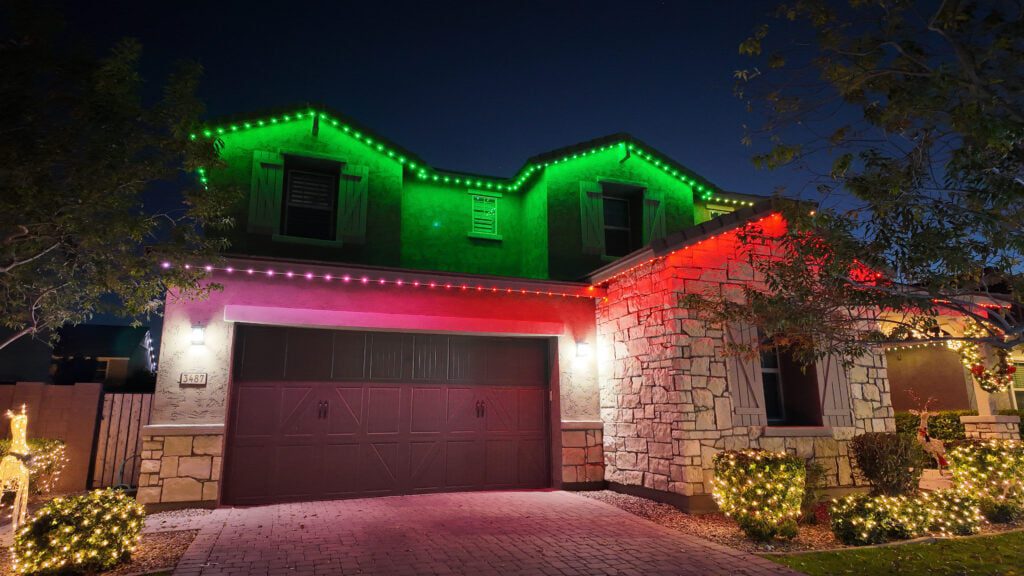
(995, 379)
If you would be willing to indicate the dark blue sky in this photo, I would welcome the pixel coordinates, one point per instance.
(475, 86)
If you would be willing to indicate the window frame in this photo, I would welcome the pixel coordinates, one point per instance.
(480, 195)
(297, 161)
(780, 385)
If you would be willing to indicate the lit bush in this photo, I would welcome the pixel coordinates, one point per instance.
(891, 462)
(761, 490)
(861, 519)
(993, 472)
(87, 533)
(46, 462)
(951, 513)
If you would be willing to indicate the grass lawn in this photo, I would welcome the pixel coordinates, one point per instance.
(1001, 555)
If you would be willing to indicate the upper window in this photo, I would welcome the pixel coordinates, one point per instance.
(790, 390)
(484, 216)
(309, 207)
(623, 209)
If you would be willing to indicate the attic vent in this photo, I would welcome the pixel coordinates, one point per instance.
(484, 216)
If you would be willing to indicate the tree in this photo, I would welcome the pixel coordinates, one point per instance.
(97, 186)
(910, 125)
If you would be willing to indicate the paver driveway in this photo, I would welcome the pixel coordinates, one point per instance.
(485, 533)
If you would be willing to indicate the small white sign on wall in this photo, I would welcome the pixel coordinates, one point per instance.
(192, 379)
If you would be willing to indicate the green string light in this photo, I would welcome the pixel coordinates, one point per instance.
(510, 184)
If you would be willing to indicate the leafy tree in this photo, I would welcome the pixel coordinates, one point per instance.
(908, 118)
(96, 184)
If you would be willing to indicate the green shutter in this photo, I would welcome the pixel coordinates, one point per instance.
(352, 200)
(592, 217)
(654, 216)
(265, 192)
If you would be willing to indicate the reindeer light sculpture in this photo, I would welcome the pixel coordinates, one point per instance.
(933, 446)
(14, 473)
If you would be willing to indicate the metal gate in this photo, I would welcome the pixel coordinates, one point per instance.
(118, 447)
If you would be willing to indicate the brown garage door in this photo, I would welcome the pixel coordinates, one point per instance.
(320, 414)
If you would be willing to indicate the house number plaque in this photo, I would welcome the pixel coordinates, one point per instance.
(192, 379)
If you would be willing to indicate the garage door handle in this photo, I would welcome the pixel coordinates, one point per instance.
(479, 408)
(319, 410)
(327, 407)
(483, 408)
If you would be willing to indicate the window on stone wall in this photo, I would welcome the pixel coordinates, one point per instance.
(790, 390)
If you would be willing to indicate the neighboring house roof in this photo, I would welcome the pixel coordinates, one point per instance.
(687, 237)
(94, 340)
(323, 116)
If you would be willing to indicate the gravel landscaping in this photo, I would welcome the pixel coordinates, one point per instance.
(160, 550)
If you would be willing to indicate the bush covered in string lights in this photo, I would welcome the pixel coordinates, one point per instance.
(45, 464)
(993, 472)
(951, 513)
(761, 490)
(861, 519)
(87, 533)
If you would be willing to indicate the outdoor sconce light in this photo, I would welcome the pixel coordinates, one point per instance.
(198, 335)
(582, 349)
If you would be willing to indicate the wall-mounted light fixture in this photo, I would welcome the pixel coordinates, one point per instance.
(582, 349)
(198, 335)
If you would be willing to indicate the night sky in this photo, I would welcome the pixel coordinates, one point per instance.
(471, 86)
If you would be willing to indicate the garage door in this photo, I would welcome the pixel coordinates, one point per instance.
(320, 414)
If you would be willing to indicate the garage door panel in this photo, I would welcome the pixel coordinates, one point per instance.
(500, 463)
(426, 407)
(531, 411)
(462, 410)
(386, 356)
(298, 471)
(430, 357)
(248, 477)
(350, 356)
(501, 410)
(341, 477)
(462, 460)
(383, 410)
(260, 354)
(426, 466)
(378, 467)
(345, 415)
(306, 352)
(255, 412)
(533, 462)
(298, 412)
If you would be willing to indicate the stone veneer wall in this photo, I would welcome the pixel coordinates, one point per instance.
(665, 399)
(582, 454)
(180, 467)
(998, 427)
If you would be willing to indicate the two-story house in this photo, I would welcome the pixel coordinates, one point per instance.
(388, 327)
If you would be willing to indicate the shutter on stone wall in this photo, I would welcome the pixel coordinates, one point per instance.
(352, 200)
(265, 192)
(744, 375)
(654, 216)
(592, 217)
(834, 392)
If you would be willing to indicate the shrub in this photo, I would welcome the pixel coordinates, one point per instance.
(861, 519)
(951, 513)
(761, 490)
(993, 472)
(813, 483)
(86, 533)
(45, 465)
(890, 461)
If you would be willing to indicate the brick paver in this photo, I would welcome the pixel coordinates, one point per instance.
(546, 533)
